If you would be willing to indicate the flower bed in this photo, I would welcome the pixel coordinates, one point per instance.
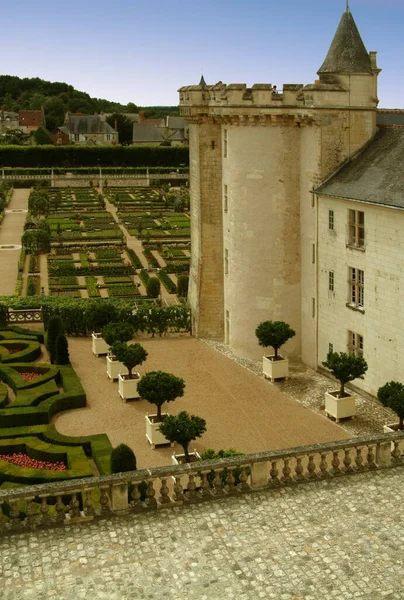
(29, 376)
(22, 460)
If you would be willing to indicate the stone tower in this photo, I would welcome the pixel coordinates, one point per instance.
(255, 156)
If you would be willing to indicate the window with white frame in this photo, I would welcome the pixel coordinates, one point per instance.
(356, 228)
(355, 343)
(226, 261)
(331, 220)
(225, 143)
(356, 287)
(330, 281)
(225, 199)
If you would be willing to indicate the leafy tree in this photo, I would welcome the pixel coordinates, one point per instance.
(131, 108)
(391, 395)
(62, 350)
(130, 355)
(124, 126)
(158, 387)
(55, 328)
(36, 240)
(182, 429)
(275, 334)
(41, 137)
(55, 112)
(117, 332)
(122, 459)
(345, 367)
(98, 313)
(31, 287)
(153, 287)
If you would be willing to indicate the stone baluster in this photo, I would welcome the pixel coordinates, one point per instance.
(273, 474)
(311, 467)
(243, 486)
(14, 516)
(89, 509)
(205, 486)
(371, 457)
(164, 493)
(60, 509)
(45, 518)
(29, 511)
(335, 464)
(75, 506)
(286, 471)
(151, 501)
(217, 483)
(323, 466)
(136, 496)
(359, 459)
(191, 487)
(104, 501)
(299, 469)
(347, 461)
(230, 481)
(178, 491)
(383, 454)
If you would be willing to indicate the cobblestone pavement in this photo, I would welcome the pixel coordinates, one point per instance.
(338, 539)
(307, 387)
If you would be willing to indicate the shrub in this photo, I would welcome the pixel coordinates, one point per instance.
(182, 429)
(55, 328)
(130, 355)
(31, 287)
(391, 395)
(275, 334)
(62, 350)
(158, 387)
(122, 459)
(345, 367)
(182, 285)
(117, 332)
(211, 454)
(153, 287)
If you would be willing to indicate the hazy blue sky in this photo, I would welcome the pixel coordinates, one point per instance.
(142, 52)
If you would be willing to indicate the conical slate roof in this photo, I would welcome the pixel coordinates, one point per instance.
(347, 53)
(202, 82)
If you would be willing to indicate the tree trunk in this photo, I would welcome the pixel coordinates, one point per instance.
(158, 418)
(187, 457)
(130, 376)
(342, 390)
(276, 353)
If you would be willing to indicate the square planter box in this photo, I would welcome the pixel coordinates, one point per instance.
(128, 387)
(114, 368)
(339, 408)
(179, 459)
(153, 435)
(99, 345)
(275, 369)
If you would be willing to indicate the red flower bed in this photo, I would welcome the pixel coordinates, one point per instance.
(22, 460)
(14, 350)
(29, 376)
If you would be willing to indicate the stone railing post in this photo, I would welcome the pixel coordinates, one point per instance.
(383, 454)
(259, 475)
(119, 497)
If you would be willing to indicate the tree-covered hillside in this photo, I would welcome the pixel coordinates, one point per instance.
(32, 93)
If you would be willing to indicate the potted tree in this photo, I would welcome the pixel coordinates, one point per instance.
(391, 395)
(344, 367)
(275, 334)
(158, 387)
(131, 356)
(112, 333)
(183, 429)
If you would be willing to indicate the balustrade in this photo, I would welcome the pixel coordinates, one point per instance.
(29, 507)
(31, 315)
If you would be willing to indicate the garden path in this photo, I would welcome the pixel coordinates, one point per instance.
(242, 410)
(11, 230)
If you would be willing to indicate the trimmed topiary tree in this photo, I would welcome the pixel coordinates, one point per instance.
(345, 367)
(122, 459)
(182, 285)
(391, 395)
(158, 387)
(275, 334)
(129, 355)
(62, 350)
(182, 429)
(55, 328)
(117, 332)
(153, 287)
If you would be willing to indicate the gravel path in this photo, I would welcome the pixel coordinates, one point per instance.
(242, 410)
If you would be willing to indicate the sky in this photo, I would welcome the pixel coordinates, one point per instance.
(142, 52)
